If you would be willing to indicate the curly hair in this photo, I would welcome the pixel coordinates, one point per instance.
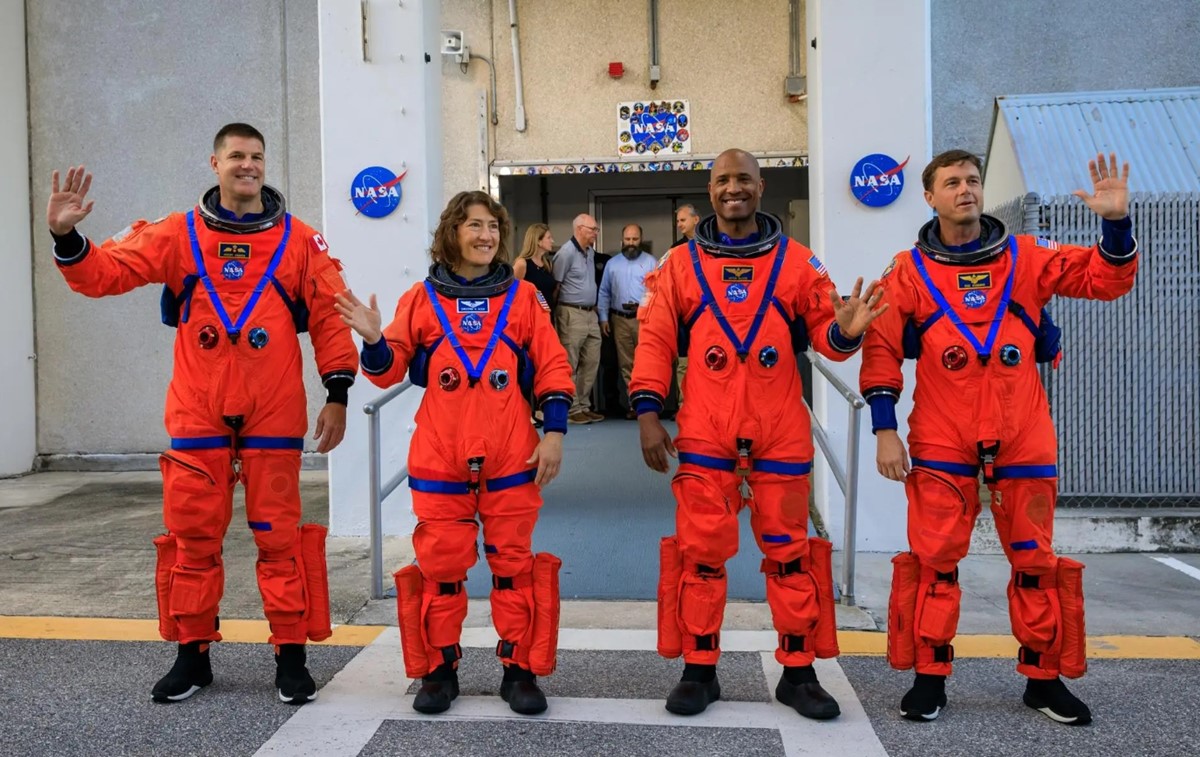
(445, 248)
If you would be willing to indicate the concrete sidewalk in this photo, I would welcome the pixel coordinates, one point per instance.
(79, 544)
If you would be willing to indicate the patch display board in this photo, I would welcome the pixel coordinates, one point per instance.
(648, 128)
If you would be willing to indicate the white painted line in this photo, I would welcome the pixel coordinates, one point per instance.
(372, 689)
(849, 733)
(626, 640)
(1179, 565)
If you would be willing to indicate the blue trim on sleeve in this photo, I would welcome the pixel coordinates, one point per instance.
(842, 343)
(554, 414)
(376, 358)
(883, 413)
(1117, 244)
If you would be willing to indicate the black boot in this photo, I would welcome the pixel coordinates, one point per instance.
(190, 673)
(438, 690)
(1052, 699)
(799, 689)
(697, 689)
(292, 681)
(925, 700)
(519, 688)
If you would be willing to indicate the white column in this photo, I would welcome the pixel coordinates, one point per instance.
(18, 443)
(380, 105)
(869, 92)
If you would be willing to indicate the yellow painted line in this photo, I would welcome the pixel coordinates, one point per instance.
(118, 629)
(852, 643)
(871, 643)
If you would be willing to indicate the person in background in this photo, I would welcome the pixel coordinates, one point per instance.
(575, 313)
(533, 264)
(621, 289)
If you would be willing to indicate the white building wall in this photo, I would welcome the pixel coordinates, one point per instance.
(869, 82)
(395, 96)
(18, 442)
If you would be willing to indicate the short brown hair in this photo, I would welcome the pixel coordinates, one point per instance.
(237, 130)
(945, 160)
(445, 238)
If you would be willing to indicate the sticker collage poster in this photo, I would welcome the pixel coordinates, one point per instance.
(649, 128)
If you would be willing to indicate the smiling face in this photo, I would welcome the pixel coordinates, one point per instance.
(735, 187)
(478, 240)
(685, 222)
(240, 164)
(956, 194)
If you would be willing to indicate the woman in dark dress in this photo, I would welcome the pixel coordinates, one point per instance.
(533, 267)
(532, 264)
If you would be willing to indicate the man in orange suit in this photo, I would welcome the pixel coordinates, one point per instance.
(967, 303)
(750, 299)
(241, 278)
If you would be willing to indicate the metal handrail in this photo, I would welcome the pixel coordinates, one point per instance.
(847, 479)
(379, 491)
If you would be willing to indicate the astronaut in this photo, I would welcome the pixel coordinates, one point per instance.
(967, 302)
(747, 298)
(478, 340)
(241, 278)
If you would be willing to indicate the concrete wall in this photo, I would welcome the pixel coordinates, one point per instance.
(982, 49)
(728, 59)
(18, 443)
(136, 90)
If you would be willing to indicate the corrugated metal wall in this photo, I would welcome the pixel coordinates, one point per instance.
(1126, 398)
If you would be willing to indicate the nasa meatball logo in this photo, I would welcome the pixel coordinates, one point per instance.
(232, 270)
(376, 191)
(471, 324)
(737, 293)
(974, 299)
(877, 180)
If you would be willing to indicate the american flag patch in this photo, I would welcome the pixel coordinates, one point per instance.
(541, 298)
(1049, 244)
(816, 263)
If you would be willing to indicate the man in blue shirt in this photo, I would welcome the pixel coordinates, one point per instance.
(621, 290)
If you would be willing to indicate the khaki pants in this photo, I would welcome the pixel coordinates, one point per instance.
(680, 369)
(579, 332)
(625, 334)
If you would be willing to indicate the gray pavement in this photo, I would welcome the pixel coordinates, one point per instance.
(79, 545)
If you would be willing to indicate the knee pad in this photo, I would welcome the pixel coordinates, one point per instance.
(902, 612)
(939, 599)
(316, 580)
(670, 574)
(410, 592)
(167, 552)
(825, 641)
(1073, 663)
(543, 646)
(1064, 588)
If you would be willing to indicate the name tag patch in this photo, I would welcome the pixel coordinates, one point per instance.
(234, 251)
(974, 280)
(736, 273)
(474, 306)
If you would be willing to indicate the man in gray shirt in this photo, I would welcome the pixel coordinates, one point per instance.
(575, 316)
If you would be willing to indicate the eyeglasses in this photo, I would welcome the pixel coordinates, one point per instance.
(591, 228)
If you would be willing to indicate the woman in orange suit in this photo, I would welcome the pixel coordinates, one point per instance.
(478, 340)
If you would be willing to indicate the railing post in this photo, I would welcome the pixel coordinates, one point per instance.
(376, 484)
(849, 545)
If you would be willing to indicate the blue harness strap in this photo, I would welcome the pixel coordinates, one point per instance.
(984, 350)
(270, 442)
(1002, 471)
(436, 486)
(231, 328)
(474, 372)
(707, 299)
(201, 442)
(782, 467)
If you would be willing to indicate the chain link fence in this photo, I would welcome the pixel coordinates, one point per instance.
(1126, 397)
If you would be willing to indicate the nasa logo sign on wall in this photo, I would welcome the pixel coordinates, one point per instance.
(376, 191)
(650, 128)
(877, 180)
